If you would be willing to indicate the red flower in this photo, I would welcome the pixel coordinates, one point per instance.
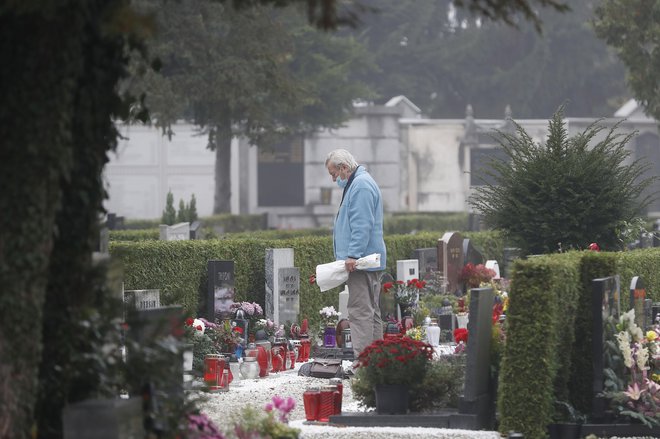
(461, 335)
(594, 247)
(198, 327)
(189, 321)
(498, 308)
(238, 329)
(387, 286)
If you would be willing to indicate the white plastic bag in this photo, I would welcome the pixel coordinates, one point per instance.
(333, 274)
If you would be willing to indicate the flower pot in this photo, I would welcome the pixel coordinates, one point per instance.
(391, 399)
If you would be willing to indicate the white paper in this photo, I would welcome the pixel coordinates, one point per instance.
(333, 274)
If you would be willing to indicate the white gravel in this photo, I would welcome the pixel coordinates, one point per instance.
(219, 407)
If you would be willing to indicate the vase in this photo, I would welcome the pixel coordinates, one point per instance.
(329, 336)
(391, 399)
(433, 334)
(462, 320)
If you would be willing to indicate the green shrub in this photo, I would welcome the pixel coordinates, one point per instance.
(568, 191)
(179, 268)
(440, 388)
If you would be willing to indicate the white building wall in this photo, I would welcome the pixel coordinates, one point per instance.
(147, 165)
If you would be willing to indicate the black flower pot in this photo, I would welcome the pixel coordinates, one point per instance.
(391, 399)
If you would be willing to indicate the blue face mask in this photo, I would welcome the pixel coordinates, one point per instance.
(341, 182)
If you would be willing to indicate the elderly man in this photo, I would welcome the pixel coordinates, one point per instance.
(358, 232)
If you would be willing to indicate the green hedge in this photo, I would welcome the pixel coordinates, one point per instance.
(539, 321)
(134, 235)
(547, 355)
(402, 223)
(178, 268)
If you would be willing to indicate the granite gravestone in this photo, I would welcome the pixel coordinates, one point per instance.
(471, 254)
(428, 261)
(477, 400)
(220, 290)
(142, 299)
(158, 330)
(450, 261)
(605, 305)
(176, 232)
(289, 295)
(195, 230)
(276, 258)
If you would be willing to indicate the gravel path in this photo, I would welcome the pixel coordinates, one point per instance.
(219, 407)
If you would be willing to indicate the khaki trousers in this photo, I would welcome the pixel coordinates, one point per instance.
(364, 309)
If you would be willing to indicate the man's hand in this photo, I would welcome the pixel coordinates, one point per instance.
(350, 265)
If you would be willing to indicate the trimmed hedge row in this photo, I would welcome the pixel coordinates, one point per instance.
(547, 356)
(539, 321)
(178, 268)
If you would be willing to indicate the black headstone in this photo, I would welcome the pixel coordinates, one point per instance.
(605, 301)
(195, 230)
(471, 254)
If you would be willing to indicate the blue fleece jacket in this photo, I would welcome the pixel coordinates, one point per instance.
(358, 229)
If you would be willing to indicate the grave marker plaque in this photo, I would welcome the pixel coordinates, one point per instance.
(289, 294)
(276, 258)
(220, 291)
(142, 299)
(450, 260)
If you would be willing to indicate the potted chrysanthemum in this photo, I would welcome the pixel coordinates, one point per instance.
(391, 367)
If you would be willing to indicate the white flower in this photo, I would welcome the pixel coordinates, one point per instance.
(329, 312)
(642, 357)
(624, 346)
(199, 326)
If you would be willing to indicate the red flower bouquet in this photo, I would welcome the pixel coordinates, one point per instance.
(405, 293)
(474, 275)
(395, 361)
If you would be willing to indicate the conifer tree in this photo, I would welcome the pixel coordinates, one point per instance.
(169, 214)
(565, 193)
(182, 214)
(192, 209)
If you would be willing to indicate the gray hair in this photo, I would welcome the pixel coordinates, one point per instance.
(340, 157)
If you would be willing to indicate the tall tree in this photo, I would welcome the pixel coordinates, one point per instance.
(632, 28)
(444, 59)
(256, 72)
